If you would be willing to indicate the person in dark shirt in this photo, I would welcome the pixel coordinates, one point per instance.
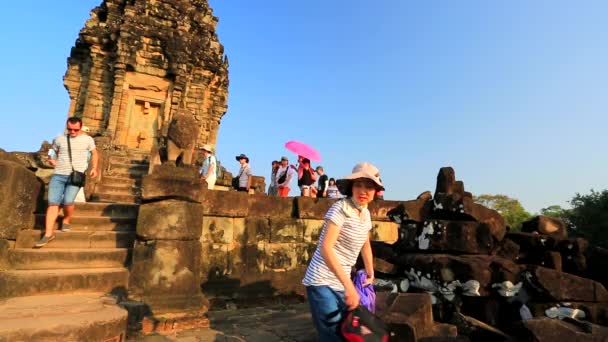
(306, 178)
(322, 183)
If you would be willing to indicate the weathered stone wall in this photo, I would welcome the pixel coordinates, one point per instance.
(262, 247)
(249, 246)
(148, 58)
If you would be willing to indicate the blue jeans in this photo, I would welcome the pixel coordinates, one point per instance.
(61, 191)
(327, 308)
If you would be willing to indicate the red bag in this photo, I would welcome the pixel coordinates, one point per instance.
(360, 325)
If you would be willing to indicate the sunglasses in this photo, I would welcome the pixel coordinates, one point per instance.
(73, 129)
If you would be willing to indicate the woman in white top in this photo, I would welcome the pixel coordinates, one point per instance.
(345, 234)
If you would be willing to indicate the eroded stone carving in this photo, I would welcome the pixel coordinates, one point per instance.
(136, 63)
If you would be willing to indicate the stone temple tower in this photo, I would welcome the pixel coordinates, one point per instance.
(137, 62)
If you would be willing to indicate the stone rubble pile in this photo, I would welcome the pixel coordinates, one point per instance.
(492, 284)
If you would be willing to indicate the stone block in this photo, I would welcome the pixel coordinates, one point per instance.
(545, 225)
(443, 273)
(313, 208)
(453, 207)
(574, 255)
(214, 261)
(286, 230)
(401, 211)
(218, 229)
(20, 191)
(224, 203)
(167, 275)
(4, 254)
(171, 182)
(312, 230)
(251, 230)
(559, 286)
(507, 249)
(596, 313)
(534, 248)
(269, 206)
(414, 309)
(246, 259)
(282, 257)
(551, 330)
(446, 236)
(384, 231)
(170, 220)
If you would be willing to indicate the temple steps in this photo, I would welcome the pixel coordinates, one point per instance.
(78, 239)
(106, 210)
(68, 258)
(67, 317)
(17, 283)
(94, 223)
(115, 198)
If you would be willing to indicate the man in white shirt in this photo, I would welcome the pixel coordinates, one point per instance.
(208, 170)
(71, 155)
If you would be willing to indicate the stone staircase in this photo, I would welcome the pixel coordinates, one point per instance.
(90, 261)
(121, 179)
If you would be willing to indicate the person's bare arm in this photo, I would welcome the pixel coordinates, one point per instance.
(351, 296)
(94, 161)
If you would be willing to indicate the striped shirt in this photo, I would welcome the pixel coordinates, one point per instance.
(81, 146)
(354, 232)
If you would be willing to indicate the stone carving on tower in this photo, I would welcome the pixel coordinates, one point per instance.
(136, 63)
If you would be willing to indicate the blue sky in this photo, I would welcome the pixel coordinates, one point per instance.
(512, 94)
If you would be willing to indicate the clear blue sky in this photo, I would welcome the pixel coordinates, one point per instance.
(512, 94)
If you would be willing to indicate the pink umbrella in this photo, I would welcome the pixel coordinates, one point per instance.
(303, 150)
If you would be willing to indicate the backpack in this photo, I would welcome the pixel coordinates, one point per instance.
(360, 325)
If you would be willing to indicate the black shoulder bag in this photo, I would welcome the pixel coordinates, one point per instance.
(77, 178)
(235, 180)
(283, 176)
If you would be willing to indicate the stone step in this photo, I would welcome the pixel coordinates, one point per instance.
(120, 181)
(106, 209)
(78, 239)
(122, 189)
(66, 317)
(66, 258)
(16, 283)
(127, 169)
(113, 198)
(93, 223)
(135, 160)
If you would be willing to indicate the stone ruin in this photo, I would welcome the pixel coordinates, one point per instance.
(490, 283)
(447, 268)
(136, 63)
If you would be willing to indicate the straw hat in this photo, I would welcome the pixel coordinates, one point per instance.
(361, 170)
(207, 148)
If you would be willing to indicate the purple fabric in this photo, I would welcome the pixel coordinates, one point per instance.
(367, 293)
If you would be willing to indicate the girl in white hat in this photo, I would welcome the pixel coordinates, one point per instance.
(344, 235)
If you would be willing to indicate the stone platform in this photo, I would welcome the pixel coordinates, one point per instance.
(283, 323)
(67, 317)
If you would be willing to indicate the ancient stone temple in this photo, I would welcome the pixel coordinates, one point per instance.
(137, 62)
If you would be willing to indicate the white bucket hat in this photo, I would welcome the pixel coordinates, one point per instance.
(361, 170)
(207, 148)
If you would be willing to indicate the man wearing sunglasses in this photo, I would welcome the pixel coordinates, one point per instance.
(61, 192)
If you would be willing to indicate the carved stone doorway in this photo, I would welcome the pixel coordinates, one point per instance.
(142, 132)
